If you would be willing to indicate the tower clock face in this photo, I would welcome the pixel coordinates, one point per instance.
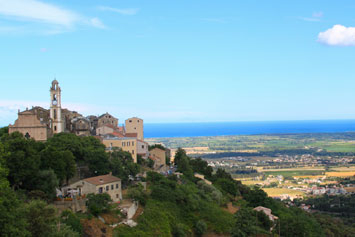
(54, 102)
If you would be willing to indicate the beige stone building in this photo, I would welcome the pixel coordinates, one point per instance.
(34, 123)
(124, 143)
(107, 119)
(142, 149)
(80, 126)
(159, 157)
(135, 125)
(100, 184)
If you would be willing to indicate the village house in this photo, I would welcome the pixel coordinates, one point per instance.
(159, 157)
(128, 144)
(99, 184)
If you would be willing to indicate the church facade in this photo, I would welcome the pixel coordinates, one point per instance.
(40, 124)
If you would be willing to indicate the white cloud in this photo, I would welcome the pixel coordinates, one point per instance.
(37, 11)
(317, 14)
(316, 17)
(96, 22)
(125, 11)
(59, 19)
(338, 35)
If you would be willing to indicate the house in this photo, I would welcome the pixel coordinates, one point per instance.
(159, 157)
(125, 143)
(142, 149)
(99, 184)
(107, 119)
(135, 125)
(267, 212)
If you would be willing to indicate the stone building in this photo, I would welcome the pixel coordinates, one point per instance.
(99, 184)
(135, 125)
(93, 123)
(107, 119)
(142, 149)
(41, 124)
(34, 123)
(159, 157)
(125, 143)
(81, 126)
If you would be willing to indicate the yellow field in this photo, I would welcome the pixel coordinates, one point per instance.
(292, 169)
(340, 174)
(273, 192)
(344, 169)
(251, 182)
(309, 176)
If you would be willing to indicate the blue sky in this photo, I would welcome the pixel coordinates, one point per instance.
(181, 61)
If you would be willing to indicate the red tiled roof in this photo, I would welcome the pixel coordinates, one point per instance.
(117, 134)
(131, 135)
(102, 179)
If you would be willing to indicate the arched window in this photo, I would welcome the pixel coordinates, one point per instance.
(55, 114)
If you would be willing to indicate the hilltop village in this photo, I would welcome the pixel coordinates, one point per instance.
(41, 124)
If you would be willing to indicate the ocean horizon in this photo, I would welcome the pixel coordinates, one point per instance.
(155, 130)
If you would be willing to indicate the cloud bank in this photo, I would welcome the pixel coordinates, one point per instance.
(338, 35)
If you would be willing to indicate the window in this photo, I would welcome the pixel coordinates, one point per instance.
(55, 128)
(132, 152)
(55, 114)
(107, 188)
(116, 195)
(111, 186)
(116, 186)
(128, 143)
(130, 121)
(142, 146)
(100, 190)
(132, 143)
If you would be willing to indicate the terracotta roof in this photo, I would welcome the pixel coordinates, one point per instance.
(117, 134)
(131, 135)
(102, 179)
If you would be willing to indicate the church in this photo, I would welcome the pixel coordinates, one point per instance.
(40, 124)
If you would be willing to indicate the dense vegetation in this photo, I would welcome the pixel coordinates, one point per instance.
(31, 171)
(187, 205)
(173, 206)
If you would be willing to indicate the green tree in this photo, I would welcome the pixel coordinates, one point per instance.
(98, 203)
(61, 162)
(179, 154)
(41, 218)
(122, 165)
(12, 221)
(23, 160)
(70, 219)
(4, 130)
(200, 228)
(47, 183)
(137, 193)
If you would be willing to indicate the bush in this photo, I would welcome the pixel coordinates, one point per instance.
(98, 203)
(200, 228)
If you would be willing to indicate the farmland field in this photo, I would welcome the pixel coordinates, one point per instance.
(290, 174)
(273, 192)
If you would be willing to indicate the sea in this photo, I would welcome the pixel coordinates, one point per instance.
(155, 130)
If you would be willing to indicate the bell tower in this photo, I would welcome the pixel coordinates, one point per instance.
(55, 108)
